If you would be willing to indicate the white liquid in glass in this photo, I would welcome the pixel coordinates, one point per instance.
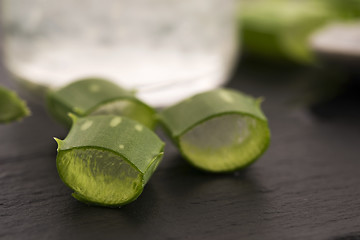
(166, 49)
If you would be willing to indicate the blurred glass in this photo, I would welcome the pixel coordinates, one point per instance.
(165, 49)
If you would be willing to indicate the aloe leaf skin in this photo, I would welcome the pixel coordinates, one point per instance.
(12, 108)
(94, 96)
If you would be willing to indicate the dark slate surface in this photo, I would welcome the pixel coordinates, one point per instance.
(306, 186)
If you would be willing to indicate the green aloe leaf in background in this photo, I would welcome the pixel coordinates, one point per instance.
(280, 29)
(12, 108)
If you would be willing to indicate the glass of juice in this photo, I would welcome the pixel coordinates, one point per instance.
(164, 49)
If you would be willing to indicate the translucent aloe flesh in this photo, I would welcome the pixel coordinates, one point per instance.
(12, 108)
(97, 96)
(225, 142)
(107, 160)
(99, 176)
(219, 131)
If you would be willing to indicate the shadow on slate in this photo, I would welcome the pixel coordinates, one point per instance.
(352, 236)
(344, 106)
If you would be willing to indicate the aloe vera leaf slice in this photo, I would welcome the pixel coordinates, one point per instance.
(108, 159)
(219, 131)
(97, 96)
(12, 108)
(279, 29)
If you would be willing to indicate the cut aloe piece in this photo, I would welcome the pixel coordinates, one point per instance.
(346, 9)
(12, 108)
(96, 97)
(219, 131)
(107, 160)
(279, 29)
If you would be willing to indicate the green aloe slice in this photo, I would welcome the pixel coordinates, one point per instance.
(107, 160)
(12, 108)
(96, 97)
(346, 9)
(219, 131)
(280, 29)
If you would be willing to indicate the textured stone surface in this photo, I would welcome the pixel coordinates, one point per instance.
(306, 186)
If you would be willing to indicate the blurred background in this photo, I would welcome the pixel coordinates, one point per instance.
(321, 37)
(168, 50)
(157, 47)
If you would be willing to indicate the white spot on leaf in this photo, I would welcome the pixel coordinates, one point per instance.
(115, 121)
(189, 100)
(86, 125)
(138, 127)
(94, 88)
(226, 97)
(121, 146)
(78, 110)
